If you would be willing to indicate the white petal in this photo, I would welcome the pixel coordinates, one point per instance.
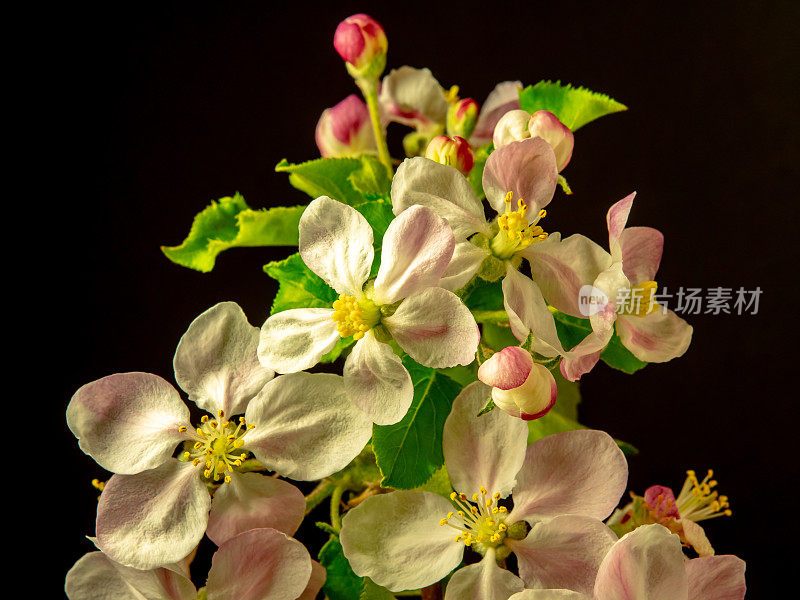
(395, 539)
(483, 581)
(252, 501)
(466, 262)
(482, 451)
(579, 472)
(417, 248)
(658, 337)
(435, 328)
(260, 564)
(563, 552)
(128, 422)
(549, 595)
(377, 382)
(336, 243)
(216, 361)
(528, 312)
(413, 97)
(504, 97)
(294, 340)
(96, 577)
(646, 564)
(305, 426)
(444, 190)
(153, 518)
(716, 578)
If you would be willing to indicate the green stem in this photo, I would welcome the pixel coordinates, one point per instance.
(369, 88)
(336, 500)
(490, 316)
(318, 494)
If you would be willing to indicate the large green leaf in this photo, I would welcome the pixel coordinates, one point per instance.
(230, 223)
(378, 213)
(484, 295)
(325, 177)
(372, 591)
(574, 107)
(340, 582)
(409, 452)
(372, 178)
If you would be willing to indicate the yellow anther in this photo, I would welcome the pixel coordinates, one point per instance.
(496, 496)
(98, 485)
(187, 454)
(516, 233)
(642, 302)
(483, 490)
(204, 419)
(698, 502)
(354, 317)
(453, 496)
(450, 514)
(182, 429)
(442, 522)
(227, 479)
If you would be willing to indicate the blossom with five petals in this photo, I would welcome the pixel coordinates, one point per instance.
(403, 303)
(155, 508)
(562, 485)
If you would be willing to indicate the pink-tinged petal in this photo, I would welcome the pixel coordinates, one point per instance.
(294, 340)
(260, 564)
(128, 422)
(315, 582)
(216, 362)
(696, 537)
(576, 472)
(336, 243)
(658, 337)
(641, 253)
(512, 127)
(616, 219)
(546, 125)
(503, 98)
(531, 400)
(417, 248)
(661, 500)
(466, 262)
(306, 427)
(153, 518)
(716, 578)
(528, 312)
(609, 288)
(527, 168)
(483, 581)
(646, 564)
(582, 358)
(345, 130)
(395, 539)
(549, 595)
(444, 190)
(253, 501)
(562, 267)
(377, 382)
(96, 577)
(506, 369)
(563, 552)
(435, 329)
(412, 97)
(482, 451)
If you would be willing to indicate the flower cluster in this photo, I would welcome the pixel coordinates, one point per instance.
(455, 323)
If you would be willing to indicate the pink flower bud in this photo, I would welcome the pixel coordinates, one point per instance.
(512, 127)
(520, 386)
(546, 125)
(454, 151)
(461, 118)
(345, 129)
(361, 42)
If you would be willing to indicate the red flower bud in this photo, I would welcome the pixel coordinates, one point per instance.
(454, 151)
(461, 118)
(361, 42)
(345, 130)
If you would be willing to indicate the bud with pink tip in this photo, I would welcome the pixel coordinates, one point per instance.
(361, 42)
(345, 130)
(461, 118)
(512, 127)
(454, 151)
(546, 125)
(520, 386)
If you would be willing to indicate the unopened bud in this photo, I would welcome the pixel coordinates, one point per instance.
(461, 118)
(512, 127)
(361, 42)
(454, 151)
(345, 129)
(546, 125)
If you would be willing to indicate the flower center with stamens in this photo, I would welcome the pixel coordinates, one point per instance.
(515, 232)
(355, 317)
(698, 501)
(642, 300)
(480, 523)
(218, 446)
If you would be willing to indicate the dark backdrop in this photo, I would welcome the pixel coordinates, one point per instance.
(161, 109)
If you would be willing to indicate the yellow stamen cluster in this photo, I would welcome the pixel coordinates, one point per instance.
(218, 446)
(515, 232)
(480, 521)
(698, 501)
(353, 317)
(642, 300)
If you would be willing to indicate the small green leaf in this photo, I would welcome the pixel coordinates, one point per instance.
(619, 357)
(410, 451)
(627, 449)
(475, 176)
(484, 295)
(574, 107)
(340, 582)
(498, 337)
(562, 181)
(372, 179)
(372, 591)
(378, 213)
(230, 223)
(325, 177)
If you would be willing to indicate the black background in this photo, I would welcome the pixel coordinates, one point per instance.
(160, 109)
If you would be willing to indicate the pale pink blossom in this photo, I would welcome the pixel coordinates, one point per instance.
(345, 130)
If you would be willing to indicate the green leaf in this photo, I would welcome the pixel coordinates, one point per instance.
(574, 107)
(627, 449)
(378, 213)
(340, 582)
(569, 396)
(484, 295)
(325, 177)
(619, 357)
(490, 406)
(498, 337)
(230, 223)
(460, 374)
(439, 483)
(552, 422)
(372, 591)
(475, 176)
(372, 179)
(410, 451)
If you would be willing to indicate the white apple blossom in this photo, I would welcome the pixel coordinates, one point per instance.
(413, 97)
(402, 303)
(156, 508)
(503, 98)
(560, 486)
